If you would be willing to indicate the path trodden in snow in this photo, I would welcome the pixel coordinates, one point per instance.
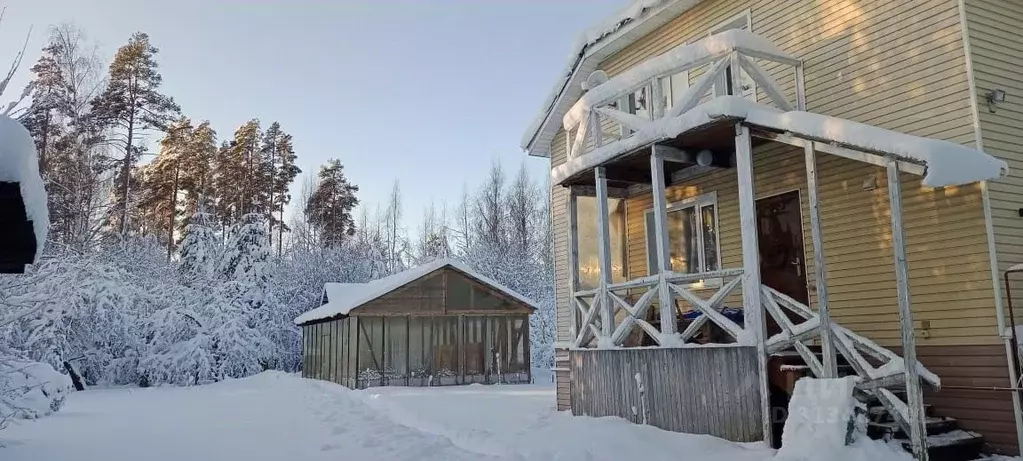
(275, 416)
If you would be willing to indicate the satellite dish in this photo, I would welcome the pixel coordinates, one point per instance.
(597, 78)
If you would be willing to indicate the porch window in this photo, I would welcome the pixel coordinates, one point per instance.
(673, 86)
(742, 21)
(589, 241)
(692, 236)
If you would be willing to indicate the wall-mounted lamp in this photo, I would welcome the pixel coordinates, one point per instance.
(994, 98)
(704, 158)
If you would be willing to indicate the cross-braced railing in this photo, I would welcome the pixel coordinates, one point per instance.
(607, 303)
(859, 352)
(613, 111)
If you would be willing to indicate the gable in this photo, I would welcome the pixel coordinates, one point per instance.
(446, 291)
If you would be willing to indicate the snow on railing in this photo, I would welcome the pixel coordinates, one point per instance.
(876, 381)
(630, 102)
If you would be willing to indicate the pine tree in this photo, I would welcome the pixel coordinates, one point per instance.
(132, 104)
(237, 175)
(158, 202)
(247, 252)
(200, 248)
(196, 168)
(329, 208)
(279, 154)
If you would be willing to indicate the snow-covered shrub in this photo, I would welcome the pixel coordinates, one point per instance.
(30, 390)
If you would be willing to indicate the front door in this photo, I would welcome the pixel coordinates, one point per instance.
(780, 234)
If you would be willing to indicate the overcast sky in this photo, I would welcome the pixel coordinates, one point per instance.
(426, 92)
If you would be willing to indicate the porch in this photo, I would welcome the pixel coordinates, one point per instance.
(627, 136)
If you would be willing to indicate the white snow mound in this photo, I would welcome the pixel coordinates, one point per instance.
(18, 163)
(30, 390)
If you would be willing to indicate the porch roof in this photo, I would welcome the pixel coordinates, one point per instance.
(944, 163)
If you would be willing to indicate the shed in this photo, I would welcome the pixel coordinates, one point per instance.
(438, 324)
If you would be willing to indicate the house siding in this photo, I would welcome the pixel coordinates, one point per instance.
(897, 65)
(996, 54)
(996, 43)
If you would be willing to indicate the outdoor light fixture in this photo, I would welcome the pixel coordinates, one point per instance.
(994, 98)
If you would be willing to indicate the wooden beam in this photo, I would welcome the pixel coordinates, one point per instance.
(800, 88)
(693, 95)
(820, 273)
(872, 158)
(666, 296)
(604, 253)
(766, 83)
(753, 309)
(918, 431)
(626, 175)
(671, 154)
(591, 191)
(573, 256)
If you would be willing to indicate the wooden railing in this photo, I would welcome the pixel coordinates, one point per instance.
(600, 119)
(859, 352)
(604, 304)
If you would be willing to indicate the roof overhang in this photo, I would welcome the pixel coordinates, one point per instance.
(640, 18)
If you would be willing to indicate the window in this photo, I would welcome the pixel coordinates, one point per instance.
(692, 236)
(673, 87)
(723, 86)
(589, 241)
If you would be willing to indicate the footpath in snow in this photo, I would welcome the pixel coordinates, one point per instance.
(275, 416)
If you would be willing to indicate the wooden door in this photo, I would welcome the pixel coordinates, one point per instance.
(780, 234)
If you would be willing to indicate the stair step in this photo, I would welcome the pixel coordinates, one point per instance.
(936, 425)
(957, 445)
(878, 410)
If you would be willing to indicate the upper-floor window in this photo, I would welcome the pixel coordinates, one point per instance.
(692, 236)
(723, 86)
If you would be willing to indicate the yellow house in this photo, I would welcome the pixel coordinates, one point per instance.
(701, 148)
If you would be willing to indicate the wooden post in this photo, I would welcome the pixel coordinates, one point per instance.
(800, 88)
(528, 357)
(408, 350)
(820, 272)
(736, 73)
(753, 309)
(918, 431)
(355, 325)
(666, 297)
(461, 345)
(657, 99)
(607, 316)
(573, 259)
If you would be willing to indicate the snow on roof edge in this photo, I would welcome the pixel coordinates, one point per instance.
(583, 47)
(377, 288)
(946, 163)
(19, 163)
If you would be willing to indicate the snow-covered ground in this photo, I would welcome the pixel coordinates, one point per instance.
(275, 416)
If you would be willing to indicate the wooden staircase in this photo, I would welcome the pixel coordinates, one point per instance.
(946, 441)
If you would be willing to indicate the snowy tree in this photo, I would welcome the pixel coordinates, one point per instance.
(329, 208)
(132, 104)
(247, 252)
(200, 249)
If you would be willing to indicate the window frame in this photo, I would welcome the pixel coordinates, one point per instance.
(729, 24)
(697, 203)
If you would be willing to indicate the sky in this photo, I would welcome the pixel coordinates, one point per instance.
(428, 93)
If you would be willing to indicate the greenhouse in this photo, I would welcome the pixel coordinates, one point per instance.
(435, 325)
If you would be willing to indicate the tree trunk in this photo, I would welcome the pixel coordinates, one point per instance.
(76, 379)
(126, 171)
(172, 205)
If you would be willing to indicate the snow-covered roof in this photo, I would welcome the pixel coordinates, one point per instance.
(18, 163)
(593, 46)
(945, 163)
(343, 297)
